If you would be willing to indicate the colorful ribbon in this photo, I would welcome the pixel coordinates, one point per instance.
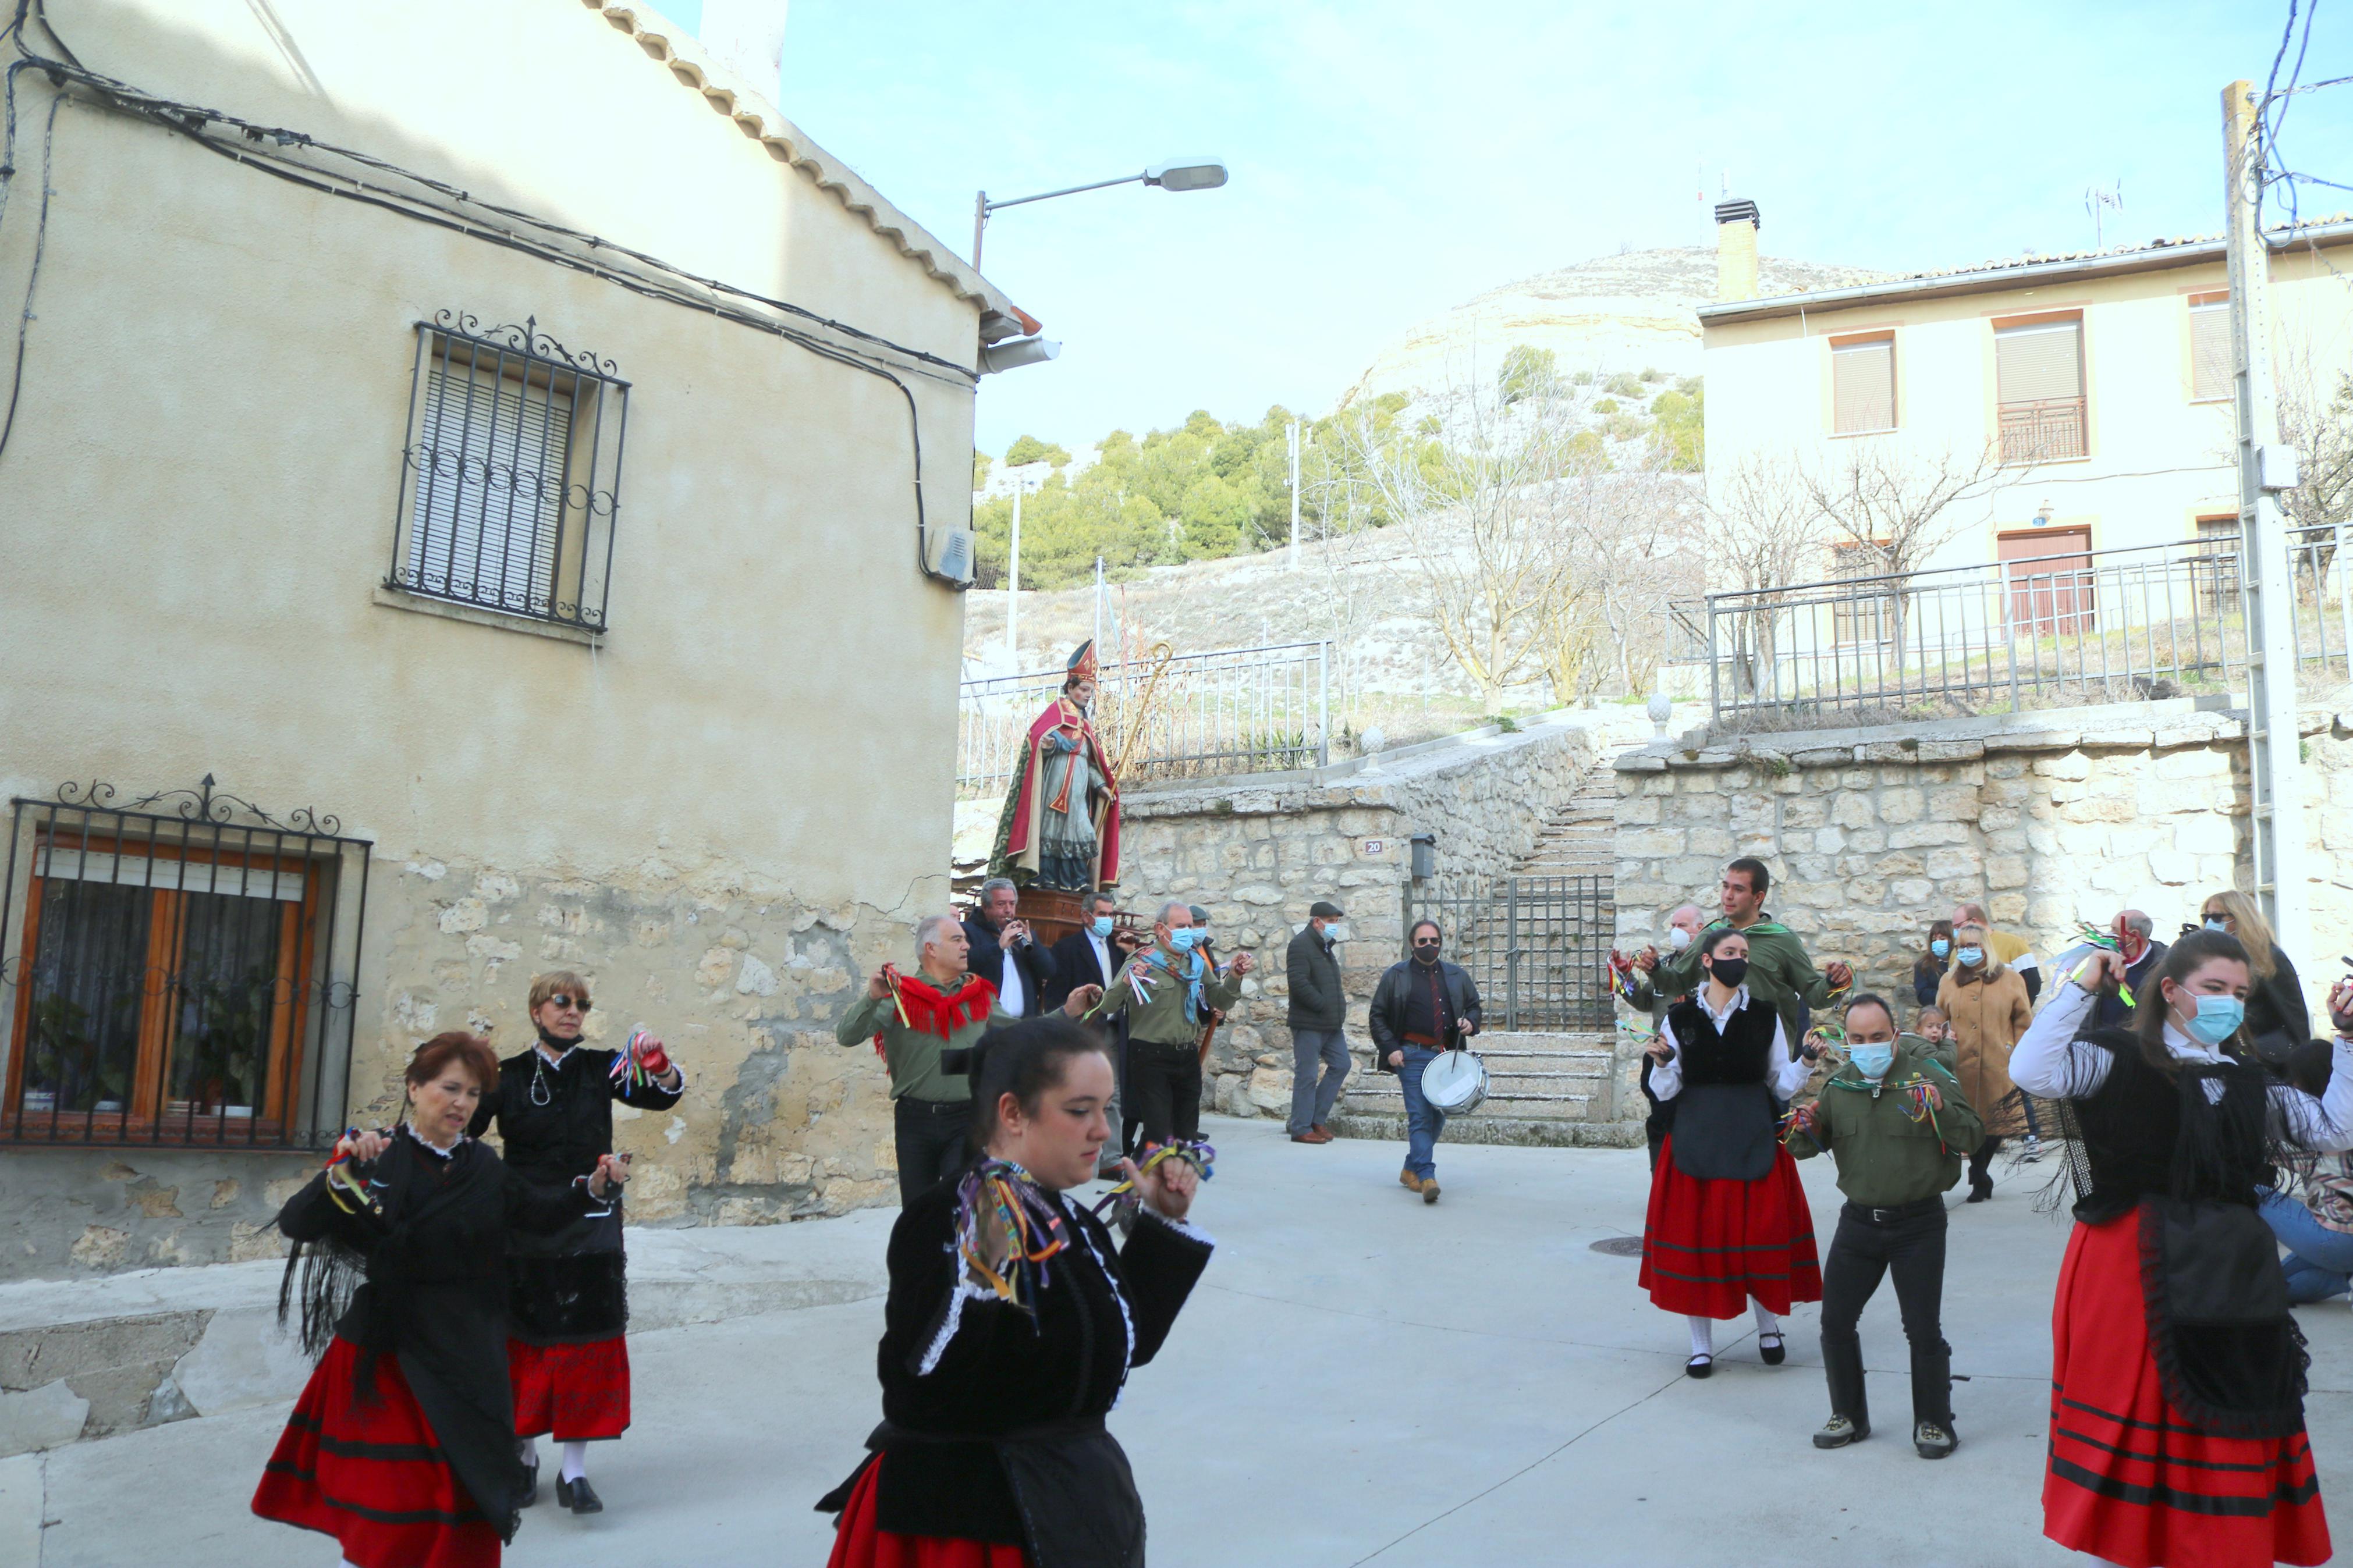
(629, 1069)
(1196, 1152)
(999, 1196)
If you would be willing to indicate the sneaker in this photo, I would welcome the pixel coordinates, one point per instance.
(1838, 1431)
(1411, 1181)
(1931, 1440)
(1430, 1189)
(2030, 1151)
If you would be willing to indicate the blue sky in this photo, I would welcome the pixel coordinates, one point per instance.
(1391, 159)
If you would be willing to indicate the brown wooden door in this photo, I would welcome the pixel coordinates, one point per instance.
(2049, 571)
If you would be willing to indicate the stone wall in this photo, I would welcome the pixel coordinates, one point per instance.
(2046, 818)
(1257, 852)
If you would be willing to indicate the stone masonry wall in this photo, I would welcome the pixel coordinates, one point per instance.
(1256, 853)
(2047, 819)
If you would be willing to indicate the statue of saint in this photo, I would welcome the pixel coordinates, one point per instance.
(1061, 825)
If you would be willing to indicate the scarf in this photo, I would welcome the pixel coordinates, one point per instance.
(1196, 1005)
(926, 1009)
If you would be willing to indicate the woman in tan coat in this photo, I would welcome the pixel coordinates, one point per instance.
(1986, 1002)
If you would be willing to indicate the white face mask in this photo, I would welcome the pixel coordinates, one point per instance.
(1678, 939)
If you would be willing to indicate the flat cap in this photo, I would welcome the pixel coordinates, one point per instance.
(1324, 909)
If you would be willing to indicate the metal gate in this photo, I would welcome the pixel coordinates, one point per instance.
(1534, 946)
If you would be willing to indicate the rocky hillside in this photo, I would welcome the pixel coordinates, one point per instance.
(1627, 313)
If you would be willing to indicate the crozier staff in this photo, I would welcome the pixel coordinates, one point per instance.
(552, 1105)
(2177, 1374)
(1728, 1224)
(402, 1445)
(1011, 1324)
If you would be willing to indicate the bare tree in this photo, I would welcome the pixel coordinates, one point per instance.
(1631, 548)
(1768, 535)
(1890, 507)
(2317, 418)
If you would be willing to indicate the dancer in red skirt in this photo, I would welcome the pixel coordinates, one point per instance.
(1728, 1224)
(2177, 1373)
(1010, 1327)
(569, 1302)
(402, 1446)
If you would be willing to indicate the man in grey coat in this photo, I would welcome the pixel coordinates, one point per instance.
(1317, 1011)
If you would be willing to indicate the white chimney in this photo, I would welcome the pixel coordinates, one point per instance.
(747, 36)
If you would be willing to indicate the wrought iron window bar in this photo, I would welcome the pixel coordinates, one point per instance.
(178, 972)
(510, 473)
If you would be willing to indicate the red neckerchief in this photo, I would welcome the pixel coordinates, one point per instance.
(931, 1011)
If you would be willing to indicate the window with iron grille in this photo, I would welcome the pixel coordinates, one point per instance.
(2211, 360)
(510, 475)
(2039, 381)
(1862, 386)
(178, 972)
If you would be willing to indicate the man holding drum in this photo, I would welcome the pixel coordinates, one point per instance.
(1423, 1006)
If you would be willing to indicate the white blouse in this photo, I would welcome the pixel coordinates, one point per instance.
(1784, 1073)
(2051, 1062)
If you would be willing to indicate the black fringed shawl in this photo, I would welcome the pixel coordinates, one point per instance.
(423, 1281)
(2227, 1351)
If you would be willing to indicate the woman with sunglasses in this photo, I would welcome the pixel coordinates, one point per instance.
(569, 1298)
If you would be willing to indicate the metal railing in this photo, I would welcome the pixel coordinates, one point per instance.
(1534, 945)
(2045, 430)
(1196, 715)
(2090, 626)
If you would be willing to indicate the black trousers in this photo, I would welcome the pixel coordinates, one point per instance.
(1163, 1088)
(1980, 1162)
(929, 1135)
(1910, 1241)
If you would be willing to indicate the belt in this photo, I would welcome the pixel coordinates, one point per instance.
(936, 1106)
(1900, 1213)
(1433, 1041)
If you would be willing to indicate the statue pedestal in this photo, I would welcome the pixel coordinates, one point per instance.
(1052, 914)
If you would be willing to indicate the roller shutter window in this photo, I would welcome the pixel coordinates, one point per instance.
(2210, 367)
(1862, 386)
(490, 499)
(2039, 362)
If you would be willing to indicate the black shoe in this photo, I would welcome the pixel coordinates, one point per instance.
(1934, 1440)
(531, 1485)
(1699, 1366)
(578, 1496)
(1838, 1431)
(1979, 1190)
(1777, 1352)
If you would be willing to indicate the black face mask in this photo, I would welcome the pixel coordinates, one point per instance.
(1731, 971)
(1425, 951)
(555, 1043)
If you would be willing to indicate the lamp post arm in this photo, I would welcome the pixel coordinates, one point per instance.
(982, 207)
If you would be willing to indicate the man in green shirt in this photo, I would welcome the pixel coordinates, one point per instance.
(1897, 1123)
(913, 1019)
(1779, 974)
(1166, 994)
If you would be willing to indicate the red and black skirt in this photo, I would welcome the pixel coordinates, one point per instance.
(574, 1392)
(371, 1474)
(2127, 1480)
(1709, 1246)
(859, 1542)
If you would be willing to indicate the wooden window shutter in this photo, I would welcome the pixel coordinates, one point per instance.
(2038, 363)
(1862, 386)
(2211, 357)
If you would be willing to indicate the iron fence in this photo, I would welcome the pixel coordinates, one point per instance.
(2089, 626)
(1196, 715)
(179, 971)
(1534, 946)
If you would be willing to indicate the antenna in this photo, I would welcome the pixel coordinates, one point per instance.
(2099, 201)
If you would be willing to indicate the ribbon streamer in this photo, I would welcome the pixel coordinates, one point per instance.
(1000, 1197)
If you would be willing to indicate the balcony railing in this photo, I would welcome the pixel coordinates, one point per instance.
(2090, 626)
(2047, 430)
(1196, 715)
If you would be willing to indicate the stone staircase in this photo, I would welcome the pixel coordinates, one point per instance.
(1577, 840)
(1558, 1089)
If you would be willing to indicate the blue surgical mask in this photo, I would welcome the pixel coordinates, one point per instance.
(1872, 1059)
(1941, 946)
(2217, 1019)
(1102, 925)
(1970, 957)
(2215, 923)
(1184, 939)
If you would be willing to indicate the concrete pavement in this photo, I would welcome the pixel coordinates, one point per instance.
(1360, 1380)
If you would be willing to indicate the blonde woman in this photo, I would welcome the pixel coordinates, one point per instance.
(2277, 1021)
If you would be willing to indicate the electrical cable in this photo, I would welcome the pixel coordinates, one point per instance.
(190, 121)
(32, 277)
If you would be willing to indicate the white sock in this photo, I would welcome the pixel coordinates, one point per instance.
(1703, 1330)
(575, 1460)
(527, 1450)
(1766, 1323)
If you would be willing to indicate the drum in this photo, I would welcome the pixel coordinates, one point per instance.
(1454, 1082)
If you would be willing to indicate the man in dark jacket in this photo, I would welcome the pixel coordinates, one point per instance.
(1318, 1012)
(1005, 954)
(1423, 1006)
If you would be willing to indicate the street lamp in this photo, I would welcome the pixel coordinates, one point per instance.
(1186, 174)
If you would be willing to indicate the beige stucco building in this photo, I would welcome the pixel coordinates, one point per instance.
(484, 439)
(2101, 383)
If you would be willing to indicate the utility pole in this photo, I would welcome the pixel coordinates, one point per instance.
(2273, 739)
(1294, 495)
(1013, 586)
